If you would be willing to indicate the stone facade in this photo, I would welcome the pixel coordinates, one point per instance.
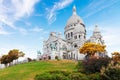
(75, 36)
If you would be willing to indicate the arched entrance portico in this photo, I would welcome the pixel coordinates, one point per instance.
(49, 57)
(64, 55)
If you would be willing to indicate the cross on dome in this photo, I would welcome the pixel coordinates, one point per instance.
(74, 10)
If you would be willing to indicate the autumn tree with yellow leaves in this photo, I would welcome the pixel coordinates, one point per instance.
(116, 56)
(91, 48)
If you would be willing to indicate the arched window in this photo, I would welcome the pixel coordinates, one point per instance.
(74, 24)
(49, 57)
(79, 36)
(56, 57)
(69, 56)
(84, 37)
(75, 45)
(68, 35)
(64, 47)
(71, 34)
(74, 56)
(75, 37)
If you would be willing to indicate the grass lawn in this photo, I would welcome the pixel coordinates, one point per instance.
(28, 71)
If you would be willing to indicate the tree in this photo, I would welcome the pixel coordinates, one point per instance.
(94, 65)
(91, 48)
(12, 55)
(116, 56)
(15, 54)
(21, 54)
(5, 60)
(29, 59)
(111, 72)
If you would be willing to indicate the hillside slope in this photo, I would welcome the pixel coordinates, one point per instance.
(27, 71)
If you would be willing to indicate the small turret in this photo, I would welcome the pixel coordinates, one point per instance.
(96, 30)
(53, 34)
(60, 35)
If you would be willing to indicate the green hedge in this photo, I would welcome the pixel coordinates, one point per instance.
(61, 75)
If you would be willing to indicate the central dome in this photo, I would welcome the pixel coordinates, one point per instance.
(74, 18)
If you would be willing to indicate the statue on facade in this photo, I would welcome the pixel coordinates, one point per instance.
(38, 52)
(53, 46)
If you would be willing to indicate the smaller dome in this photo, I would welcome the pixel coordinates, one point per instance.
(59, 33)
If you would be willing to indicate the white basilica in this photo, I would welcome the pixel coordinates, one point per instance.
(75, 36)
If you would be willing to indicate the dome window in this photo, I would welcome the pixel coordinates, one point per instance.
(71, 34)
(68, 35)
(84, 36)
(75, 37)
(79, 36)
(74, 24)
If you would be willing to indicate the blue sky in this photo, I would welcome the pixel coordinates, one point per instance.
(24, 24)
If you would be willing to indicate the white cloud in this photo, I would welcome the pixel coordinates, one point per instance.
(23, 31)
(23, 7)
(96, 6)
(27, 23)
(3, 32)
(112, 38)
(51, 16)
(13, 10)
(37, 29)
(111, 34)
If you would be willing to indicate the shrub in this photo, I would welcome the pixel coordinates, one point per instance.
(57, 58)
(94, 65)
(53, 75)
(111, 73)
(34, 60)
(29, 59)
(77, 76)
(65, 73)
(45, 76)
(61, 75)
(95, 76)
